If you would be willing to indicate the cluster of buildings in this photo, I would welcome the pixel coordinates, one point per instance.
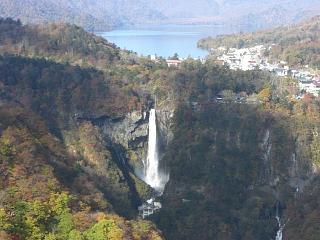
(309, 83)
(244, 58)
(174, 62)
(148, 208)
(254, 57)
(170, 62)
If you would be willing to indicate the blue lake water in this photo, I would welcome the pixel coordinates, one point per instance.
(166, 40)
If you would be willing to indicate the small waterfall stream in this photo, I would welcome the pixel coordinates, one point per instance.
(281, 226)
(279, 233)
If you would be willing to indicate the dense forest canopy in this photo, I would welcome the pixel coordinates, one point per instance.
(220, 176)
(231, 161)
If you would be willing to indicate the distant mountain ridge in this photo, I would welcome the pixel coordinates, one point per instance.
(102, 15)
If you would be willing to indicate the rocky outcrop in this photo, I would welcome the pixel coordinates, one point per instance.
(112, 150)
(165, 125)
(239, 166)
(128, 136)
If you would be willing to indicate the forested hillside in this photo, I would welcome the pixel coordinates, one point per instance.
(47, 11)
(60, 177)
(60, 42)
(297, 44)
(74, 132)
(44, 192)
(233, 165)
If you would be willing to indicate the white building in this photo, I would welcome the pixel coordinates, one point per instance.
(281, 72)
(174, 63)
(312, 87)
(149, 208)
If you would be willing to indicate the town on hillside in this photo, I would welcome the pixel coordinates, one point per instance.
(254, 58)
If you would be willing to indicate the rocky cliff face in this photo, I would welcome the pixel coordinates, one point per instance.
(231, 168)
(112, 151)
(165, 118)
(103, 133)
(128, 136)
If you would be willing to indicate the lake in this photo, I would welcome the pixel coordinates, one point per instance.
(166, 40)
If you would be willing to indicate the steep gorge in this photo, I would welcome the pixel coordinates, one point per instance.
(79, 124)
(233, 169)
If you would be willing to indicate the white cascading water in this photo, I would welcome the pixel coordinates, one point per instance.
(153, 176)
(279, 232)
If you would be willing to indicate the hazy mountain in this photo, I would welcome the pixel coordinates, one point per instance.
(265, 14)
(101, 14)
(185, 9)
(91, 14)
(35, 11)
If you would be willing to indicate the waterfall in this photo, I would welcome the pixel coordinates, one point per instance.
(153, 176)
(279, 232)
